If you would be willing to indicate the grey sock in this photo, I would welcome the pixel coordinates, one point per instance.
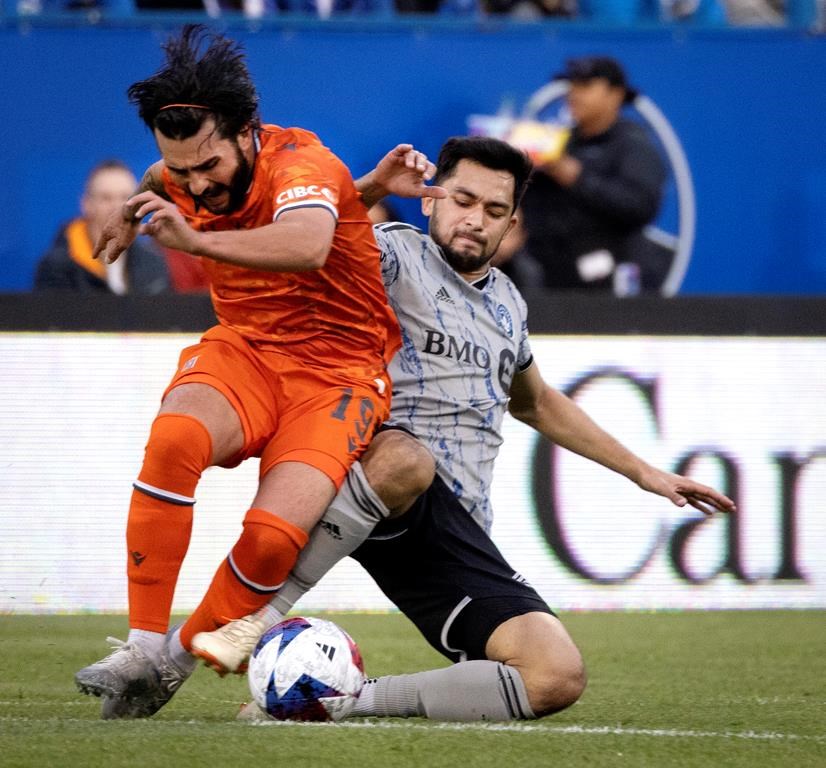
(179, 655)
(470, 690)
(150, 642)
(347, 522)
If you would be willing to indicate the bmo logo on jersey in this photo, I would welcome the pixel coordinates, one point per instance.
(444, 345)
(298, 193)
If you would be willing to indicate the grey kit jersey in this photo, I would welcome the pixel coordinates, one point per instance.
(460, 348)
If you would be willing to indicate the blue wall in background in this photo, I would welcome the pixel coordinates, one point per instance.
(748, 105)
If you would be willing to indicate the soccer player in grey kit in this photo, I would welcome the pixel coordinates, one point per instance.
(465, 359)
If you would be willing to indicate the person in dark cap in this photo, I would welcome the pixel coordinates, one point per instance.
(586, 209)
(590, 68)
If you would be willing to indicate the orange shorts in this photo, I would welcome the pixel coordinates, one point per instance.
(290, 410)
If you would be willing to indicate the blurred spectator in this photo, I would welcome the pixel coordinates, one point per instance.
(762, 13)
(512, 258)
(383, 211)
(629, 12)
(704, 11)
(68, 265)
(186, 272)
(585, 210)
(417, 6)
(169, 5)
(531, 9)
(323, 9)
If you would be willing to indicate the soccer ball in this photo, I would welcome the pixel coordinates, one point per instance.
(306, 669)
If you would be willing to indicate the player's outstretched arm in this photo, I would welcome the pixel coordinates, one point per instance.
(403, 171)
(562, 421)
(683, 490)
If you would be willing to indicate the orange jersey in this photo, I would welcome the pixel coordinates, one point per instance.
(337, 315)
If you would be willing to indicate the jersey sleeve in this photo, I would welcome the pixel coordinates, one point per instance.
(311, 180)
(524, 356)
(391, 244)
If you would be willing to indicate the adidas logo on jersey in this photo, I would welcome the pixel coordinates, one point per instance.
(443, 295)
(332, 529)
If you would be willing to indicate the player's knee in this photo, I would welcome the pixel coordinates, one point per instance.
(548, 661)
(399, 469)
(177, 452)
(176, 440)
(414, 466)
(556, 683)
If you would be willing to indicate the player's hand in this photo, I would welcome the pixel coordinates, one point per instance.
(119, 232)
(404, 171)
(683, 490)
(166, 224)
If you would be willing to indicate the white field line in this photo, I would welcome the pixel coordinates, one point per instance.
(599, 730)
(563, 730)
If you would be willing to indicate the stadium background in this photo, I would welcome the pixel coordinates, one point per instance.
(731, 384)
(746, 104)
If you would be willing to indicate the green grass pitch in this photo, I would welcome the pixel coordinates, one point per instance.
(711, 689)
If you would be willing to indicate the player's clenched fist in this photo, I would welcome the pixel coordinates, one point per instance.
(166, 224)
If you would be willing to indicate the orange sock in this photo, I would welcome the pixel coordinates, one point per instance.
(258, 564)
(160, 516)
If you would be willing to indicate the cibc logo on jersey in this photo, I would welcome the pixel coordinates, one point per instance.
(301, 192)
(464, 351)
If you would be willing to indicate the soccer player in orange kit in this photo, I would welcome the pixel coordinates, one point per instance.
(295, 371)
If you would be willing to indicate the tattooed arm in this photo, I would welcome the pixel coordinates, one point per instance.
(121, 228)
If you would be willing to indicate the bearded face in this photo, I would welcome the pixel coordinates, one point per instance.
(470, 223)
(215, 171)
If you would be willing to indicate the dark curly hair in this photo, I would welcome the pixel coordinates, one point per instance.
(216, 82)
(490, 153)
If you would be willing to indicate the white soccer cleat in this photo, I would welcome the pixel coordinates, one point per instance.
(125, 672)
(228, 648)
(169, 677)
(131, 684)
